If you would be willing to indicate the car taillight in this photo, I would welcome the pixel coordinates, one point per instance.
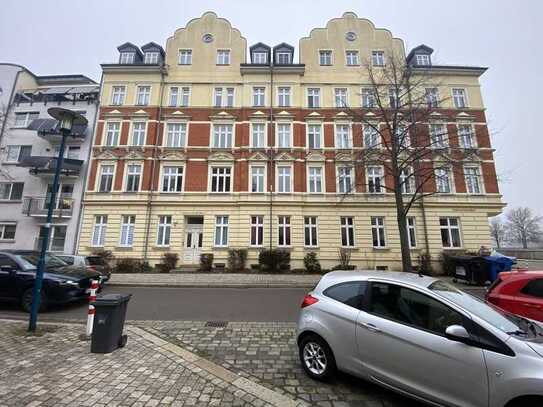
(308, 300)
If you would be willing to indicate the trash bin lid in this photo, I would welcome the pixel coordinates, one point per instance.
(111, 299)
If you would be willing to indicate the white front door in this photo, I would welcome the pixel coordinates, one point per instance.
(193, 244)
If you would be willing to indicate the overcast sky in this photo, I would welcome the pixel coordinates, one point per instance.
(75, 36)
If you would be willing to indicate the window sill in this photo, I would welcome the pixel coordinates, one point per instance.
(452, 249)
(381, 249)
(155, 247)
(7, 240)
(11, 200)
(219, 248)
(350, 248)
(124, 248)
(285, 248)
(311, 248)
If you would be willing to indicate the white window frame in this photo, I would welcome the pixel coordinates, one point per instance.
(377, 225)
(224, 96)
(3, 227)
(325, 57)
(143, 135)
(338, 98)
(371, 136)
(407, 181)
(259, 96)
(184, 57)
(261, 178)
(284, 96)
(456, 98)
(116, 134)
(256, 233)
(279, 134)
(222, 135)
(18, 148)
(349, 60)
(143, 98)
(439, 180)
(221, 232)
(127, 57)
(311, 225)
(223, 57)
(279, 182)
(339, 139)
(29, 117)
(262, 134)
(175, 138)
(440, 139)
(185, 96)
(373, 177)
(315, 95)
(280, 55)
(126, 232)
(170, 178)
(342, 178)
(474, 181)
(378, 58)
(173, 96)
(225, 175)
(133, 169)
(260, 57)
(431, 95)
(367, 98)
(345, 228)
(463, 136)
(449, 228)
(101, 174)
(422, 59)
(99, 231)
(9, 186)
(164, 231)
(118, 95)
(315, 180)
(284, 223)
(318, 142)
(151, 57)
(411, 224)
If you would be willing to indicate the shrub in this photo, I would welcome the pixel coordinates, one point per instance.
(129, 265)
(169, 262)
(274, 261)
(106, 256)
(311, 263)
(342, 267)
(206, 262)
(425, 264)
(237, 259)
(344, 258)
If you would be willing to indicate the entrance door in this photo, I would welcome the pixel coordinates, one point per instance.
(194, 234)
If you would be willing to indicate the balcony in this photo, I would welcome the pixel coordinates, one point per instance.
(38, 206)
(56, 244)
(49, 129)
(45, 166)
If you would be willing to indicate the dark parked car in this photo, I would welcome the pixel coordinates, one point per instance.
(61, 283)
(91, 263)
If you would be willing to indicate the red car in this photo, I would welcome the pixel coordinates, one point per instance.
(519, 292)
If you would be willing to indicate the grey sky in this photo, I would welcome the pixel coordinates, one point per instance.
(71, 36)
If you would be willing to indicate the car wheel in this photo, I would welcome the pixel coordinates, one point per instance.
(317, 358)
(26, 300)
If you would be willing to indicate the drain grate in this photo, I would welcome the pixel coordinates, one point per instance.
(216, 324)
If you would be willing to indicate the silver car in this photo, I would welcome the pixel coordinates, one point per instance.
(420, 337)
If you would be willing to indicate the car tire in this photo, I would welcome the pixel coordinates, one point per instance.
(317, 358)
(26, 301)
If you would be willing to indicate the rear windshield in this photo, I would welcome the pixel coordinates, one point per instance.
(32, 259)
(95, 261)
(68, 260)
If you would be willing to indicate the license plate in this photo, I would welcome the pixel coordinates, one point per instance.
(460, 271)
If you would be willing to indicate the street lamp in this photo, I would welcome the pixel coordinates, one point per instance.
(67, 118)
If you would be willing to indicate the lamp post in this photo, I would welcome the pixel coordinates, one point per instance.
(67, 118)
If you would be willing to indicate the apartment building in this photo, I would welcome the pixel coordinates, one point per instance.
(208, 145)
(29, 144)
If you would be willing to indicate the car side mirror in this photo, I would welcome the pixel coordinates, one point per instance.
(457, 333)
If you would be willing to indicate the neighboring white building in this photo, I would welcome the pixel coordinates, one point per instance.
(29, 141)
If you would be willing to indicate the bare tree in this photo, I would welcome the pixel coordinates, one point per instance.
(405, 139)
(523, 227)
(497, 231)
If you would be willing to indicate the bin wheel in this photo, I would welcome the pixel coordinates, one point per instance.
(455, 280)
(122, 341)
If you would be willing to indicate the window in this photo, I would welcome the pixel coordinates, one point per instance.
(185, 57)
(283, 238)
(347, 231)
(283, 96)
(164, 230)
(176, 135)
(372, 138)
(534, 288)
(402, 136)
(172, 179)
(7, 231)
(113, 130)
(284, 179)
(450, 232)
(283, 58)
(174, 95)
(345, 180)
(257, 230)
(11, 191)
(315, 179)
(227, 100)
(257, 178)
(412, 232)
(223, 57)
(407, 184)
(128, 223)
(73, 152)
(99, 230)
(229, 97)
(260, 57)
(466, 136)
(423, 59)
(343, 136)
(106, 178)
(118, 93)
(351, 293)
(180, 95)
(378, 58)
(340, 97)
(313, 97)
(432, 97)
(325, 57)
(258, 135)
(378, 231)
(314, 136)
(443, 180)
(438, 135)
(222, 136)
(143, 94)
(258, 96)
(410, 307)
(218, 97)
(368, 98)
(220, 179)
(127, 57)
(133, 176)
(351, 57)
(23, 119)
(138, 133)
(394, 98)
(17, 154)
(473, 180)
(151, 57)
(310, 231)
(283, 135)
(221, 231)
(375, 179)
(459, 98)
(185, 96)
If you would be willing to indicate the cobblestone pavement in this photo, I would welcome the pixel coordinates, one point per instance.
(267, 353)
(57, 369)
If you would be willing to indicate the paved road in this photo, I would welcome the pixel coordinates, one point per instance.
(191, 304)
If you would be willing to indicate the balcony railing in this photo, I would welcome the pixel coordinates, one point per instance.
(56, 244)
(38, 206)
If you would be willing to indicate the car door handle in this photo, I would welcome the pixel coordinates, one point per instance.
(370, 327)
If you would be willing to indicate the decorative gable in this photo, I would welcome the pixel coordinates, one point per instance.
(221, 157)
(173, 156)
(343, 157)
(315, 157)
(284, 157)
(134, 155)
(258, 156)
(105, 155)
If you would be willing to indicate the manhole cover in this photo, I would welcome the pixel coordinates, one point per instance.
(216, 324)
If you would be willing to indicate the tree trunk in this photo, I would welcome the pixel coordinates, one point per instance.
(402, 229)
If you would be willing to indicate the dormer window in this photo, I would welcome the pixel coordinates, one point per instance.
(283, 58)
(127, 57)
(260, 57)
(423, 59)
(151, 57)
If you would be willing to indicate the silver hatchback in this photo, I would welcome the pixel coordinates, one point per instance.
(420, 337)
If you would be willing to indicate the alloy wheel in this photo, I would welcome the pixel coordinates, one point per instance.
(315, 358)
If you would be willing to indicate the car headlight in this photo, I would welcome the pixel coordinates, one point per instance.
(70, 282)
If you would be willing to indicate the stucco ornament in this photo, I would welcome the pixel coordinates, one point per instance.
(350, 36)
(207, 38)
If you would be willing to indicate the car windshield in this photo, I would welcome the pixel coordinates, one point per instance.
(505, 322)
(31, 260)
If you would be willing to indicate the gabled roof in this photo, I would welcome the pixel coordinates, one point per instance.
(259, 45)
(421, 49)
(153, 46)
(282, 46)
(128, 46)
